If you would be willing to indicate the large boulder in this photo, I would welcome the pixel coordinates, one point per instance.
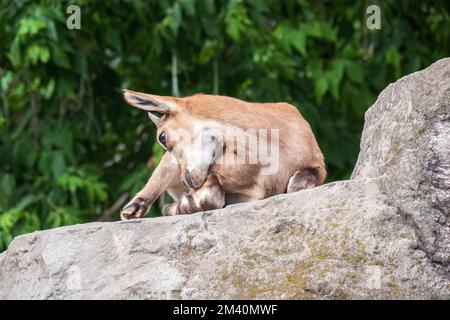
(383, 234)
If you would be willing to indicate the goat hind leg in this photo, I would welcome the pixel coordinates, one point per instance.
(303, 179)
(209, 197)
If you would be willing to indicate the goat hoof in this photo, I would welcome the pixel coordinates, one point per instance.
(169, 209)
(135, 209)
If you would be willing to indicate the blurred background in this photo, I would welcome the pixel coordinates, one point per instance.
(72, 151)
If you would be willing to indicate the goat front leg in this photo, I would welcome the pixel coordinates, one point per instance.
(210, 196)
(165, 174)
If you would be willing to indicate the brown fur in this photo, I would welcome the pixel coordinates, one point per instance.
(301, 161)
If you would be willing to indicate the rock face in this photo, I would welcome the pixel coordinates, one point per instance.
(383, 234)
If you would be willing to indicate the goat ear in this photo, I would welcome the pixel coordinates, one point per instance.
(150, 102)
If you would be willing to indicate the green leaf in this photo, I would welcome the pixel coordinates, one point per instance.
(394, 58)
(299, 42)
(58, 164)
(36, 53)
(54, 219)
(6, 80)
(236, 20)
(48, 90)
(173, 18)
(354, 72)
(334, 76)
(7, 184)
(14, 54)
(320, 89)
(320, 30)
(208, 51)
(188, 6)
(295, 37)
(30, 27)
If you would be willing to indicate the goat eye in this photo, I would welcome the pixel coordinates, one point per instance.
(162, 139)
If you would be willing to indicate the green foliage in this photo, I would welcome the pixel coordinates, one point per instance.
(70, 146)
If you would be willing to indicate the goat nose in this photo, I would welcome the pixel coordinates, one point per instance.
(188, 178)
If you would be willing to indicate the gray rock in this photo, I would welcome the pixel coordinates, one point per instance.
(383, 234)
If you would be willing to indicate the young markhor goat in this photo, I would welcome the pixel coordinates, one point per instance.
(221, 150)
